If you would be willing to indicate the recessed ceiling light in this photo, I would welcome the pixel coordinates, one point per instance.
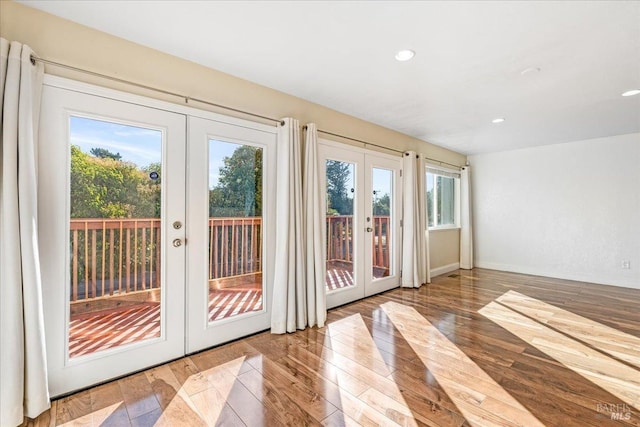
(498, 120)
(631, 92)
(530, 70)
(405, 55)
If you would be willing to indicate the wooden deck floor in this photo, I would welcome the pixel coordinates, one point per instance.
(92, 332)
(473, 348)
(105, 329)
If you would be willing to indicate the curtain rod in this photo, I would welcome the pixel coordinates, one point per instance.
(186, 98)
(376, 145)
(444, 163)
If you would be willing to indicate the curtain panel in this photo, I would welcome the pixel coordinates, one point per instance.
(314, 232)
(289, 308)
(466, 230)
(23, 367)
(299, 298)
(415, 237)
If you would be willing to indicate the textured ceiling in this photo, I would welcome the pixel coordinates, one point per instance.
(466, 72)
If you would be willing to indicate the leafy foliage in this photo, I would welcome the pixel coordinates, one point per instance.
(239, 189)
(104, 186)
(103, 153)
(381, 205)
(339, 196)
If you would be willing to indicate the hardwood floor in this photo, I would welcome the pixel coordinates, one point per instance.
(475, 348)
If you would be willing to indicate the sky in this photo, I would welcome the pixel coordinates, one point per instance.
(382, 182)
(218, 150)
(135, 144)
(143, 146)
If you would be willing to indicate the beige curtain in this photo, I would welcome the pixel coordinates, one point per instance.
(314, 232)
(23, 368)
(289, 308)
(466, 230)
(415, 237)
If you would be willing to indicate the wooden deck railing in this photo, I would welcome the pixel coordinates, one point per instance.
(113, 256)
(120, 256)
(340, 239)
(235, 246)
(380, 241)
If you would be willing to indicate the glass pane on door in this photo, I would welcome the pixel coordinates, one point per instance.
(340, 238)
(235, 229)
(382, 202)
(115, 233)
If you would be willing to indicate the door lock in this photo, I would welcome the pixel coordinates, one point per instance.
(177, 225)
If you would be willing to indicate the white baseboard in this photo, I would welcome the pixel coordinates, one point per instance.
(445, 269)
(625, 283)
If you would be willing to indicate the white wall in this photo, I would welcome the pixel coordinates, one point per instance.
(570, 210)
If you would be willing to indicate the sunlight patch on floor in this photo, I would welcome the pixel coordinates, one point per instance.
(480, 399)
(350, 340)
(605, 338)
(210, 402)
(613, 376)
(94, 418)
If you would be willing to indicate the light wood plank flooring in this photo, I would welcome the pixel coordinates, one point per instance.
(474, 348)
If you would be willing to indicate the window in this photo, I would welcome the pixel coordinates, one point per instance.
(443, 189)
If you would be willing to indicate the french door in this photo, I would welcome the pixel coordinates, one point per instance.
(230, 180)
(111, 184)
(362, 204)
(151, 248)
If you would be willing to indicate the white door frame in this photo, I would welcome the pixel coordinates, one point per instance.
(201, 333)
(65, 374)
(394, 164)
(53, 224)
(364, 160)
(328, 150)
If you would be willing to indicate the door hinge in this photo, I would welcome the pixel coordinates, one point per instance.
(401, 223)
(400, 173)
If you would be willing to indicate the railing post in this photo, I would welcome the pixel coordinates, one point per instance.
(111, 272)
(74, 269)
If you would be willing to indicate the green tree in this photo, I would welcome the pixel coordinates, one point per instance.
(103, 153)
(381, 205)
(105, 187)
(339, 195)
(150, 190)
(430, 207)
(239, 189)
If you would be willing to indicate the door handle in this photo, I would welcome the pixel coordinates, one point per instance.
(369, 229)
(177, 243)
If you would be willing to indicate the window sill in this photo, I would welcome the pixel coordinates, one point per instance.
(444, 228)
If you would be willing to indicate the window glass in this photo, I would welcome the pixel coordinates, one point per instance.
(235, 229)
(441, 200)
(446, 200)
(382, 202)
(340, 178)
(430, 198)
(114, 235)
